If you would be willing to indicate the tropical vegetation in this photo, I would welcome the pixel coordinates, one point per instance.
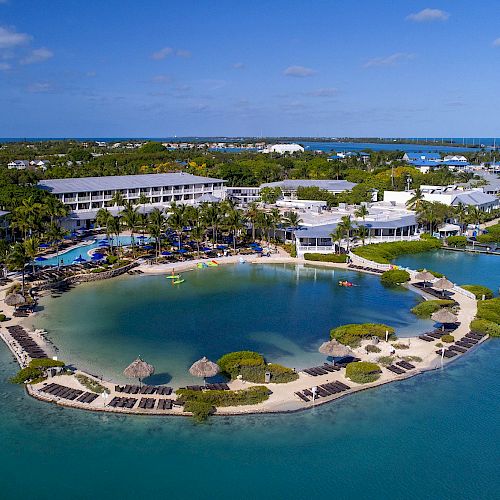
(362, 372)
(352, 334)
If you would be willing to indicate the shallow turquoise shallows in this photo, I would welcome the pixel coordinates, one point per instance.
(283, 312)
(432, 437)
(464, 268)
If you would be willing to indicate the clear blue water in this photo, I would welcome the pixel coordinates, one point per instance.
(461, 268)
(68, 257)
(283, 312)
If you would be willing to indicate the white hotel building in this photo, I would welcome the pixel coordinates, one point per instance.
(86, 195)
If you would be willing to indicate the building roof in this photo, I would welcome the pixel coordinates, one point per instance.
(3, 212)
(329, 185)
(473, 198)
(109, 183)
(423, 163)
(422, 156)
(208, 198)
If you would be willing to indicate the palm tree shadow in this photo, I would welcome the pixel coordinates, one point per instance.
(158, 379)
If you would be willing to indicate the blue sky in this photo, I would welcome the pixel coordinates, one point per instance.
(70, 68)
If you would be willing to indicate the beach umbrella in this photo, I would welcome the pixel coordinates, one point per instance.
(206, 249)
(97, 256)
(335, 349)
(15, 299)
(204, 368)
(79, 260)
(444, 316)
(424, 276)
(139, 369)
(443, 284)
(182, 250)
(165, 253)
(40, 259)
(102, 241)
(148, 247)
(44, 245)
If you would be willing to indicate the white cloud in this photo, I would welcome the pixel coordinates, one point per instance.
(9, 38)
(40, 88)
(299, 71)
(496, 43)
(324, 92)
(162, 53)
(238, 65)
(169, 51)
(161, 79)
(4, 66)
(37, 55)
(428, 15)
(391, 60)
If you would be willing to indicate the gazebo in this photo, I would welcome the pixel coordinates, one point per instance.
(15, 300)
(424, 276)
(443, 284)
(445, 317)
(335, 349)
(204, 368)
(139, 369)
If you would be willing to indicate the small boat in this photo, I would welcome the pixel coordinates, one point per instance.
(177, 282)
(346, 283)
(242, 260)
(212, 263)
(173, 276)
(201, 265)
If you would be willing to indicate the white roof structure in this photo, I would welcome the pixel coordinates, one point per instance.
(333, 186)
(283, 148)
(110, 183)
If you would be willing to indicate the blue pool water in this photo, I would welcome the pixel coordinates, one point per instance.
(460, 267)
(68, 257)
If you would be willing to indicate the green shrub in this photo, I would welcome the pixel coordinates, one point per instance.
(362, 372)
(200, 410)
(492, 236)
(372, 348)
(111, 259)
(439, 344)
(45, 363)
(415, 359)
(331, 257)
(91, 384)
(448, 339)
(383, 253)
(290, 248)
(352, 334)
(479, 291)
(400, 346)
(486, 327)
(434, 273)
(279, 374)
(26, 374)
(489, 310)
(457, 241)
(250, 396)
(386, 360)
(428, 307)
(2, 317)
(232, 362)
(395, 277)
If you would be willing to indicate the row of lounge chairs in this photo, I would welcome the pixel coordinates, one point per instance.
(427, 288)
(400, 367)
(135, 271)
(437, 334)
(463, 345)
(323, 391)
(369, 269)
(208, 387)
(315, 371)
(32, 349)
(62, 391)
(145, 389)
(144, 403)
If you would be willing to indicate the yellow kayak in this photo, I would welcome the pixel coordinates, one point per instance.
(177, 282)
(173, 276)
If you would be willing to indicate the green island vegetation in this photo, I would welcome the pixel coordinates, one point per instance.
(3, 317)
(456, 241)
(399, 345)
(447, 339)
(320, 257)
(352, 334)
(386, 360)
(434, 273)
(487, 318)
(492, 236)
(372, 348)
(290, 249)
(415, 359)
(91, 384)
(203, 403)
(383, 253)
(426, 308)
(362, 372)
(35, 371)
(253, 367)
(479, 291)
(394, 277)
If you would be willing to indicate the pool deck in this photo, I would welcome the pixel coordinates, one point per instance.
(283, 397)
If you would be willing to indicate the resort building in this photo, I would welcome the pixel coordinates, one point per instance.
(384, 222)
(18, 164)
(448, 195)
(289, 187)
(243, 195)
(85, 196)
(427, 161)
(283, 149)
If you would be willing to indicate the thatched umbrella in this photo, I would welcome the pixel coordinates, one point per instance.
(15, 299)
(424, 276)
(443, 284)
(335, 349)
(444, 316)
(204, 368)
(139, 369)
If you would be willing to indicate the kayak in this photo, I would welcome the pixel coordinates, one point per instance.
(173, 276)
(212, 264)
(177, 282)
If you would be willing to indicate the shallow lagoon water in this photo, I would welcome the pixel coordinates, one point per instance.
(283, 312)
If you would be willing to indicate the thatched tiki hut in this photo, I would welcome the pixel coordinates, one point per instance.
(139, 369)
(424, 276)
(443, 284)
(204, 368)
(335, 349)
(15, 299)
(444, 316)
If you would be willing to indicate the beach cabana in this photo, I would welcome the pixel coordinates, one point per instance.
(166, 253)
(15, 300)
(79, 260)
(204, 368)
(139, 369)
(443, 284)
(445, 317)
(97, 256)
(424, 276)
(335, 349)
(40, 259)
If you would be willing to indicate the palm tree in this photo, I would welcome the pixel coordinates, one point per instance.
(177, 220)
(31, 249)
(104, 219)
(118, 199)
(416, 201)
(346, 225)
(362, 233)
(235, 221)
(156, 223)
(460, 214)
(130, 219)
(211, 214)
(143, 199)
(337, 236)
(114, 226)
(253, 214)
(54, 209)
(198, 233)
(292, 220)
(55, 234)
(17, 260)
(361, 213)
(276, 220)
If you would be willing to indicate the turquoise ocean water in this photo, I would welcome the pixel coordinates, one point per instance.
(434, 436)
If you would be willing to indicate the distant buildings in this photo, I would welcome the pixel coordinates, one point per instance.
(429, 161)
(289, 187)
(283, 149)
(18, 164)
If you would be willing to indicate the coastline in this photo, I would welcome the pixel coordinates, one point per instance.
(282, 399)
